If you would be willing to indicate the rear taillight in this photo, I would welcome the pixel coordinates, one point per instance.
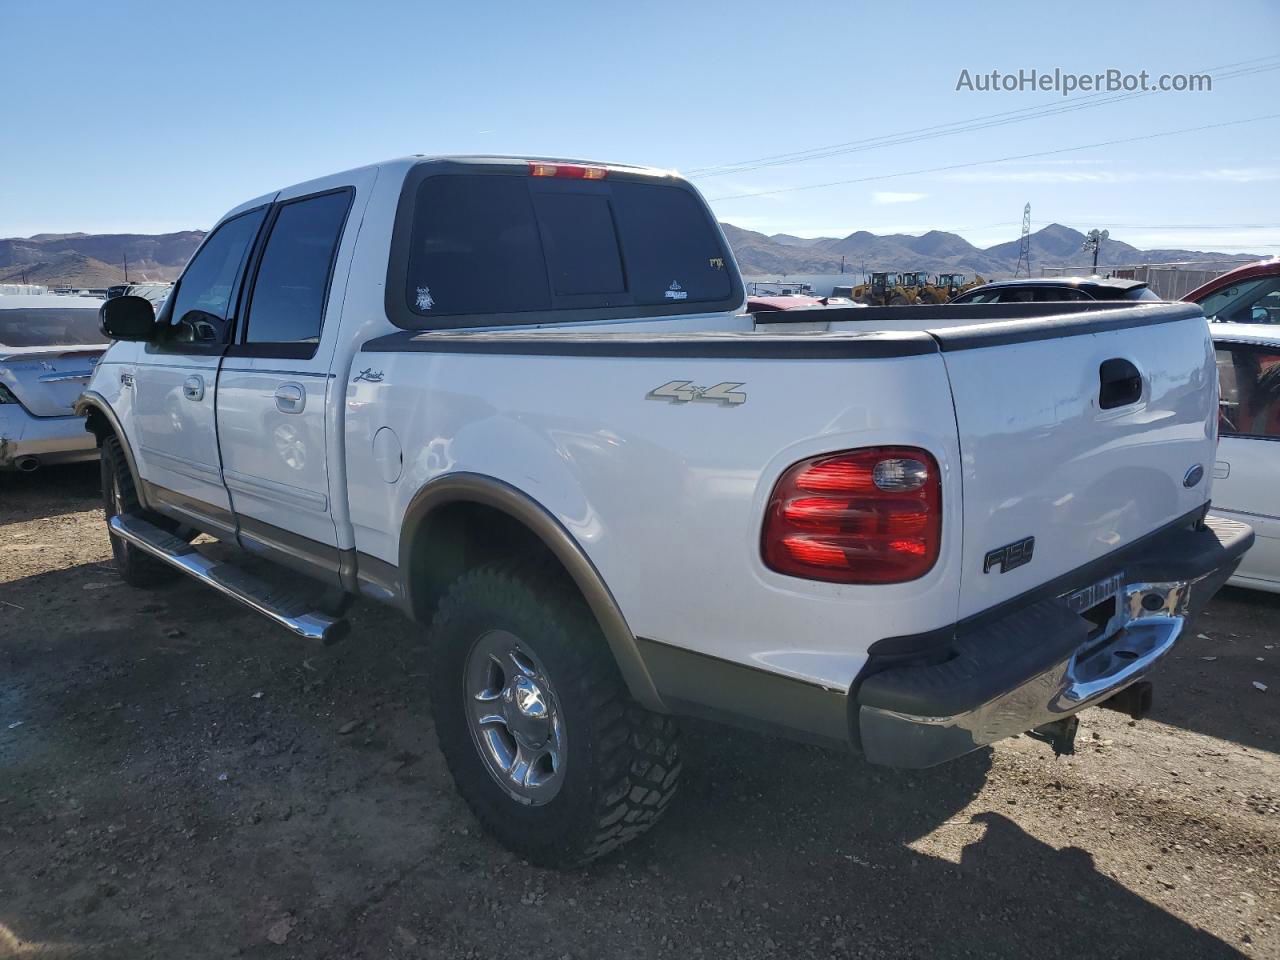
(863, 516)
(569, 171)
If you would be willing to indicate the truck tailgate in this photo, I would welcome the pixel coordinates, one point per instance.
(1061, 443)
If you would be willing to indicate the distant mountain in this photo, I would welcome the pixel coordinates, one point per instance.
(789, 241)
(96, 260)
(935, 252)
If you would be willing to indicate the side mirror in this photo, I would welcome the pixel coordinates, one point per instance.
(1260, 315)
(127, 318)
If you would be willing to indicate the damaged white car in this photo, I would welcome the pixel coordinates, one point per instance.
(49, 346)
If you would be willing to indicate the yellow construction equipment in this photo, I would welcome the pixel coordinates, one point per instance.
(883, 290)
(945, 286)
(913, 286)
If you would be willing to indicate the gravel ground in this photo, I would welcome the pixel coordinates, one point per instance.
(178, 778)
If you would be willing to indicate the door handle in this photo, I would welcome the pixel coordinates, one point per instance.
(1221, 469)
(291, 397)
(193, 387)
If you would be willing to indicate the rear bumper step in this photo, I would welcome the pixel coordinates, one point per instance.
(1046, 662)
(288, 609)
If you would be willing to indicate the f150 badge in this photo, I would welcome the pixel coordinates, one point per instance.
(1010, 556)
(684, 391)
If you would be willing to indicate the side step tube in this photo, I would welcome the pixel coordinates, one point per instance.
(289, 611)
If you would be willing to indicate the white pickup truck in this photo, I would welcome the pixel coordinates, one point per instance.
(519, 399)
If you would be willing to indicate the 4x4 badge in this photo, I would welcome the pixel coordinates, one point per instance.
(684, 391)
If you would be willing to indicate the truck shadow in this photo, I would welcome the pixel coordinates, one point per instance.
(821, 853)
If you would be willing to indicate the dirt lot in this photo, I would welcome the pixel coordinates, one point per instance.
(180, 779)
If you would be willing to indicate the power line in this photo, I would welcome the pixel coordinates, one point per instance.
(979, 163)
(962, 126)
(1246, 68)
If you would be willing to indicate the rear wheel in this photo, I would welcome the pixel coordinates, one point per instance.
(136, 567)
(535, 723)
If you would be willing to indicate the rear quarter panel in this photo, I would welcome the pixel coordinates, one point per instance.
(667, 499)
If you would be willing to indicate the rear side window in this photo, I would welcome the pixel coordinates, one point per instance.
(486, 245)
(1249, 391)
(1058, 295)
(981, 296)
(1248, 301)
(292, 284)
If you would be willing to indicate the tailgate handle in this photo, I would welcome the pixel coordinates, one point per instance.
(1120, 383)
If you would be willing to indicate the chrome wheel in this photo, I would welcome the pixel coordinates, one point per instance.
(514, 717)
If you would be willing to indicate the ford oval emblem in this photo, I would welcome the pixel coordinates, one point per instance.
(1193, 476)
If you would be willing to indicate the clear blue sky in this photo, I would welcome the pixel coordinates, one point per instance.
(141, 116)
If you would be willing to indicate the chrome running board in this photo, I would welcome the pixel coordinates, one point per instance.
(290, 610)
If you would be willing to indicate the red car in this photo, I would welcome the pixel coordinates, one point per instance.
(1248, 294)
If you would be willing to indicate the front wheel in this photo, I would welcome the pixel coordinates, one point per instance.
(136, 567)
(543, 741)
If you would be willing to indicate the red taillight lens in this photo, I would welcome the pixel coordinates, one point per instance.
(570, 171)
(863, 516)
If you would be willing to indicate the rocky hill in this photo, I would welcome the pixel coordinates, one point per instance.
(935, 251)
(95, 260)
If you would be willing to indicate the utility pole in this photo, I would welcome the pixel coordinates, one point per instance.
(1024, 245)
(842, 263)
(125, 257)
(1093, 241)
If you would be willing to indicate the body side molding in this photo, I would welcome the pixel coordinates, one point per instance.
(490, 492)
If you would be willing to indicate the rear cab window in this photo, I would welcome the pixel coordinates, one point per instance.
(498, 246)
(1141, 293)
